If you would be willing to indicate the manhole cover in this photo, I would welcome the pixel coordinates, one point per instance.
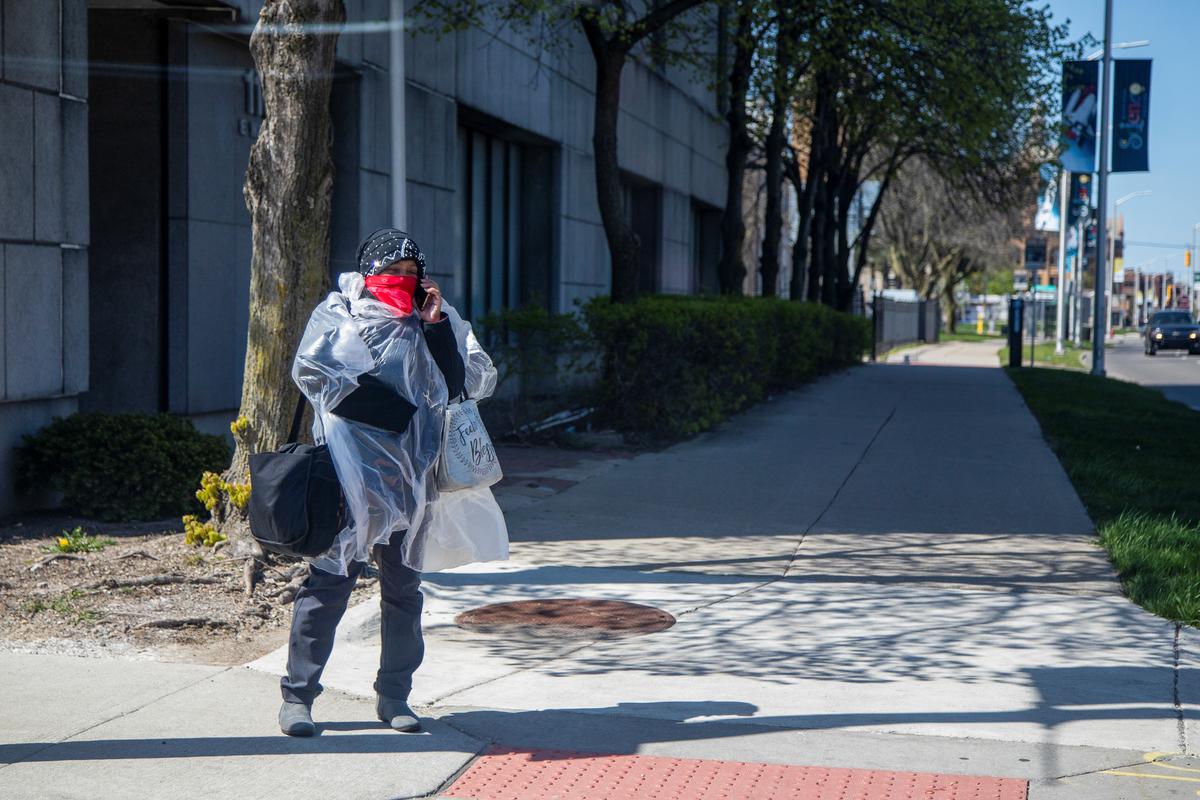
(567, 617)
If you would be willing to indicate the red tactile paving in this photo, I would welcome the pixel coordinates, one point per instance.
(517, 774)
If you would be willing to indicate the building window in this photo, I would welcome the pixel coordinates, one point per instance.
(489, 200)
(643, 213)
(706, 249)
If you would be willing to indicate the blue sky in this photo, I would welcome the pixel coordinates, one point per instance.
(1167, 215)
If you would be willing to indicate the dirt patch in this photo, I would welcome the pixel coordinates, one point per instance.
(146, 595)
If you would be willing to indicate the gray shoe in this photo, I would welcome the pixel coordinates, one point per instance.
(295, 719)
(397, 714)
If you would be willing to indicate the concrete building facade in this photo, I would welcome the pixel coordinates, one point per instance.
(125, 129)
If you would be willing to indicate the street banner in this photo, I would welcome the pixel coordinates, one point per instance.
(1046, 218)
(1131, 115)
(1078, 135)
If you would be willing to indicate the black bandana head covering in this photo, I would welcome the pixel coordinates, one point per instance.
(385, 246)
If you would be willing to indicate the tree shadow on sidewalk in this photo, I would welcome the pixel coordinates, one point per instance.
(823, 627)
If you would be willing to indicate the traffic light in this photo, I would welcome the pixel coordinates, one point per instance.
(1187, 258)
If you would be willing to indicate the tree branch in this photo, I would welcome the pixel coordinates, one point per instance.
(655, 20)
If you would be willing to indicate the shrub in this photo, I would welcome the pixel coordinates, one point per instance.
(678, 365)
(120, 467)
(540, 350)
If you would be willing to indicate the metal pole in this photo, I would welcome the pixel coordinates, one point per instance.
(1064, 186)
(1032, 326)
(1192, 274)
(396, 90)
(1100, 312)
(1077, 281)
(1110, 290)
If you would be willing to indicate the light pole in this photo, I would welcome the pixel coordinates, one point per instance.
(1112, 245)
(1100, 304)
(1100, 301)
(1064, 186)
(1143, 288)
(1192, 273)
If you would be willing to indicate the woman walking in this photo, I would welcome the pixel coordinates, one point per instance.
(379, 360)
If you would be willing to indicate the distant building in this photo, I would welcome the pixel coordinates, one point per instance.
(125, 242)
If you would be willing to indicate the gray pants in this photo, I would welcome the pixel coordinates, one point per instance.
(319, 606)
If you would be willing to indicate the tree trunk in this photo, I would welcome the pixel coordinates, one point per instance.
(610, 48)
(731, 271)
(773, 224)
(829, 278)
(622, 243)
(821, 150)
(816, 238)
(288, 192)
(805, 194)
(845, 199)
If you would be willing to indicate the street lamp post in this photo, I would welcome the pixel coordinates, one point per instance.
(1192, 273)
(1112, 246)
(1143, 289)
(1100, 305)
(1064, 186)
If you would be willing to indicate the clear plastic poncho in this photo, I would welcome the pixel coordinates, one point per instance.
(389, 479)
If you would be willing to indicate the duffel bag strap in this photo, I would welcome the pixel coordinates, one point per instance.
(296, 418)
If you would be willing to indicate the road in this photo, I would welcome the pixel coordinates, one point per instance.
(1173, 371)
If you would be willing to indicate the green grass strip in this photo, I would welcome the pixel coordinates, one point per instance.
(1044, 356)
(1134, 458)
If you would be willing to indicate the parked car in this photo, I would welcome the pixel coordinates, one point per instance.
(1172, 330)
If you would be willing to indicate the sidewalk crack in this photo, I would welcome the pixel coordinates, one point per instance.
(82, 731)
(1101, 770)
(846, 480)
(804, 535)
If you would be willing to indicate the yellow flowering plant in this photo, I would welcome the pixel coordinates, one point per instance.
(78, 541)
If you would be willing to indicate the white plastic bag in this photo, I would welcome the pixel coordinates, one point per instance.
(465, 526)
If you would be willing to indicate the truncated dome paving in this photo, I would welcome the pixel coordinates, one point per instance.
(567, 616)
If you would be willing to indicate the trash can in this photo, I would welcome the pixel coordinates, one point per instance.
(1016, 316)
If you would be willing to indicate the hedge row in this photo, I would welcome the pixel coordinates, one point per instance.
(663, 366)
(121, 467)
(678, 365)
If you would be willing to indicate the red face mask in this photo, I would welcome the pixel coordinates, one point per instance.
(393, 290)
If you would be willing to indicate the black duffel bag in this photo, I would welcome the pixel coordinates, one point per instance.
(296, 501)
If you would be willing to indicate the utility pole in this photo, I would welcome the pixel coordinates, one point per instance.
(1064, 186)
(1192, 273)
(1100, 311)
(1137, 293)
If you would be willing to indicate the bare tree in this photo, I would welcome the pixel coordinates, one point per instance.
(935, 233)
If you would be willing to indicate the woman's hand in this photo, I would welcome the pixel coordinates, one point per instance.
(432, 310)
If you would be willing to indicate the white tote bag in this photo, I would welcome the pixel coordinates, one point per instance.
(468, 459)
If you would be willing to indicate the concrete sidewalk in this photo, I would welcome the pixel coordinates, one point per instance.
(887, 569)
(951, 354)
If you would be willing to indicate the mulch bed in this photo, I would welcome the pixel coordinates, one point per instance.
(148, 594)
